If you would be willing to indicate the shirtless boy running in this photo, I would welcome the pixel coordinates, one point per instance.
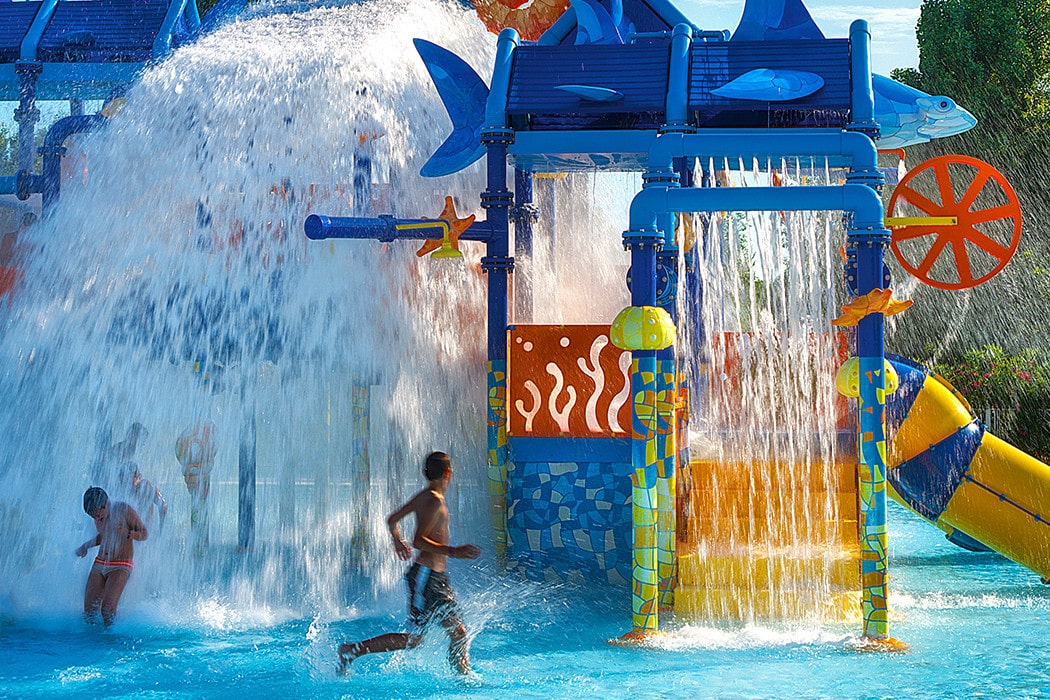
(118, 527)
(430, 596)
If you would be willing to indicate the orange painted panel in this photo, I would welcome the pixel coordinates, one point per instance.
(568, 381)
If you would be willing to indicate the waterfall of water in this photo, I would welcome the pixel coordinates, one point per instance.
(173, 286)
(769, 482)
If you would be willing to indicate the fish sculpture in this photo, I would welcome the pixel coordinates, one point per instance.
(907, 116)
(769, 85)
(464, 94)
(596, 25)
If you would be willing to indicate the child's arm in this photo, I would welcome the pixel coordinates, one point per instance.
(404, 552)
(95, 541)
(161, 503)
(136, 528)
(464, 551)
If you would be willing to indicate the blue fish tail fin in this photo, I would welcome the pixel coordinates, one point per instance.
(464, 95)
(776, 20)
(595, 25)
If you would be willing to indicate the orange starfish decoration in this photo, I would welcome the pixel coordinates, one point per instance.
(449, 245)
(877, 301)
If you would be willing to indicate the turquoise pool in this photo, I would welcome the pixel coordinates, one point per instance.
(975, 622)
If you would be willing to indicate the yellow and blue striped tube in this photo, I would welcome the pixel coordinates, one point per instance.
(644, 575)
(872, 496)
(981, 491)
(666, 455)
(498, 455)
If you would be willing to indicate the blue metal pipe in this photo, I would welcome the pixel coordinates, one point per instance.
(678, 78)
(702, 34)
(31, 41)
(560, 30)
(496, 106)
(26, 114)
(523, 214)
(866, 204)
(193, 17)
(862, 97)
(162, 43)
(53, 150)
(386, 228)
(383, 228)
(857, 147)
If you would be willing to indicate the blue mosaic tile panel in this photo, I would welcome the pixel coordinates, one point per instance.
(570, 521)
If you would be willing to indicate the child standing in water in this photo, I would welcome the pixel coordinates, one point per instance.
(118, 527)
(430, 596)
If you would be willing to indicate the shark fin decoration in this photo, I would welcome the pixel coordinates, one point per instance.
(907, 116)
(776, 20)
(767, 85)
(591, 93)
(464, 95)
(595, 24)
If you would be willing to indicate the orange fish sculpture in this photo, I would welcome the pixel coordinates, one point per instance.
(877, 301)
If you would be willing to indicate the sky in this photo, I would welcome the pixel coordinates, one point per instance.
(892, 24)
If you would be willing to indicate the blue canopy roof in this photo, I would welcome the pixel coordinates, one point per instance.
(87, 48)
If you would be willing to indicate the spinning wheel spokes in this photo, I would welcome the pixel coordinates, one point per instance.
(957, 238)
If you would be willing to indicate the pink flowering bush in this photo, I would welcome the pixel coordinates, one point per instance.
(1015, 386)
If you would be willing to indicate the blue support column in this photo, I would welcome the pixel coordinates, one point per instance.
(667, 388)
(644, 497)
(868, 239)
(246, 467)
(872, 439)
(666, 438)
(26, 114)
(646, 445)
(523, 215)
(497, 201)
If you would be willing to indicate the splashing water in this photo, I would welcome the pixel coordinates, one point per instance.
(772, 492)
(173, 286)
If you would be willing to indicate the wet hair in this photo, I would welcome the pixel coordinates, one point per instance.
(437, 465)
(94, 499)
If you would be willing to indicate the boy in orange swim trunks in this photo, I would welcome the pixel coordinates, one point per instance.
(430, 596)
(118, 527)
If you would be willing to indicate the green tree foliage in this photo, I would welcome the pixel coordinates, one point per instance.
(203, 6)
(991, 55)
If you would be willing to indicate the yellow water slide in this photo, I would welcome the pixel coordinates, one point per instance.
(983, 492)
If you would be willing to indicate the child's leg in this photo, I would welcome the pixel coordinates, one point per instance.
(96, 583)
(114, 588)
(392, 641)
(458, 645)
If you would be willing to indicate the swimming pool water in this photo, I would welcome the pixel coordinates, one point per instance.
(975, 624)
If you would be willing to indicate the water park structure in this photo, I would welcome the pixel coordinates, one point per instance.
(722, 460)
(78, 51)
(637, 86)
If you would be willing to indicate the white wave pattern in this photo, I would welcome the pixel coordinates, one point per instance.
(593, 369)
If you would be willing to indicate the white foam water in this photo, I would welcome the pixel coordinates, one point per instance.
(173, 286)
